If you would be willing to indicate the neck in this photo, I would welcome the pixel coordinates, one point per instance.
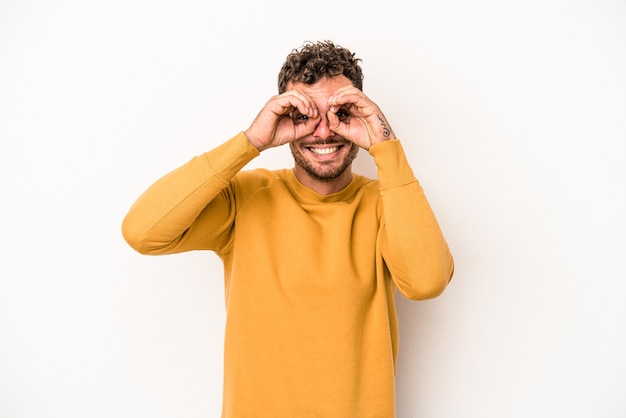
(323, 187)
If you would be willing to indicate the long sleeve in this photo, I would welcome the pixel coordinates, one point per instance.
(412, 244)
(164, 219)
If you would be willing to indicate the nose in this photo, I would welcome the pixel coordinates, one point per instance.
(322, 130)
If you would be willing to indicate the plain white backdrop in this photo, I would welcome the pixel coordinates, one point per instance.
(513, 115)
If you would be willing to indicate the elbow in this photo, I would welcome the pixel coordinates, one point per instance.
(133, 236)
(145, 240)
(431, 285)
(426, 292)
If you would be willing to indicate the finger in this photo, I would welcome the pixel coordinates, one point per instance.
(355, 101)
(346, 94)
(335, 125)
(303, 128)
(333, 120)
(348, 89)
(284, 104)
(311, 124)
(302, 102)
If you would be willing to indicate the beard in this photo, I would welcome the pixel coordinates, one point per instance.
(325, 171)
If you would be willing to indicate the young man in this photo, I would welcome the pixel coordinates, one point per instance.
(312, 255)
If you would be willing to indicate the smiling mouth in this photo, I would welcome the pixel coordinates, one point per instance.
(324, 150)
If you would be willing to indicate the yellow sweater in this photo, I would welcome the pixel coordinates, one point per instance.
(311, 327)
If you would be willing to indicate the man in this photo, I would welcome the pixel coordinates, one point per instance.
(312, 255)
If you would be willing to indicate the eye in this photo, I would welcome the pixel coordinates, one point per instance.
(298, 117)
(342, 114)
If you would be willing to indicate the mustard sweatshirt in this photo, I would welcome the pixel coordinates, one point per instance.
(311, 327)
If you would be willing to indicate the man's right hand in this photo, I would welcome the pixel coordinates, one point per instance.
(284, 118)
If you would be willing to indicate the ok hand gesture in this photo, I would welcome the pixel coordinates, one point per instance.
(355, 117)
(276, 123)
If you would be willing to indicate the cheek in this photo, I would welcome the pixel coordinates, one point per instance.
(293, 147)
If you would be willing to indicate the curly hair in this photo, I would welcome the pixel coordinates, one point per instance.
(314, 61)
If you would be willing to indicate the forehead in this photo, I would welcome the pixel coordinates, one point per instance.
(323, 88)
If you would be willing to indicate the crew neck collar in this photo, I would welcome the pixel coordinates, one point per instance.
(314, 197)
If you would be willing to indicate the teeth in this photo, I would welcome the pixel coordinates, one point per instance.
(323, 151)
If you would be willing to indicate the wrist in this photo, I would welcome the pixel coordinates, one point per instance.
(380, 140)
(255, 143)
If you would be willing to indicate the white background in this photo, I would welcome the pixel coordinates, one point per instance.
(513, 117)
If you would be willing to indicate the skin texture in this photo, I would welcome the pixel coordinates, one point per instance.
(330, 113)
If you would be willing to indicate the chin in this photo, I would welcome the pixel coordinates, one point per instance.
(325, 171)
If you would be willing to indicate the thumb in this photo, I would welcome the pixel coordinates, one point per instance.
(334, 123)
(307, 128)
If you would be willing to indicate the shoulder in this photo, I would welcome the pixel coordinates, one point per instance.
(249, 182)
(257, 188)
(365, 184)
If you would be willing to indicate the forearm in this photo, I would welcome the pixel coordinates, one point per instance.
(158, 221)
(412, 244)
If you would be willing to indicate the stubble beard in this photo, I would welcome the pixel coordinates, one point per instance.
(325, 171)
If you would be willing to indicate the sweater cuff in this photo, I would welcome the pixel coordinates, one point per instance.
(393, 167)
(231, 156)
